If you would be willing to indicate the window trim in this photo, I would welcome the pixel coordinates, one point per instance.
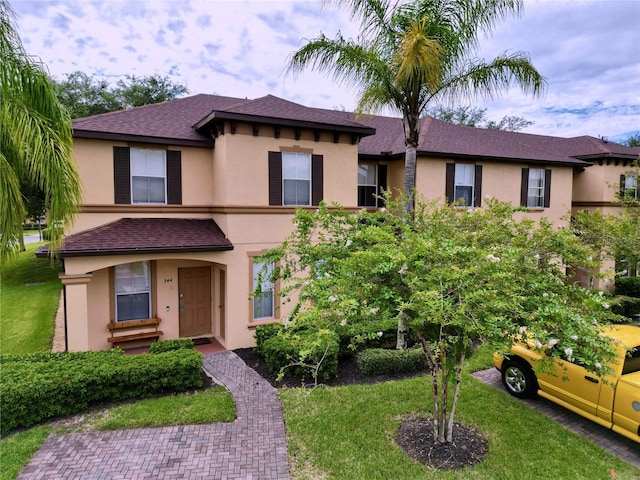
(624, 188)
(152, 291)
(164, 176)
(309, 179)
(275, 178)
(524, 189)
(450, 184)
(276, 296)
(122, 177)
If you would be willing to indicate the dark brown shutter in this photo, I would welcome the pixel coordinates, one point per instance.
(623, 184)
(449, 189)
(547, 188)
(382, 183)
(174, 177)
(477, 187)
(317, 179)
(121, 175)
(524, 187)
(275, 178)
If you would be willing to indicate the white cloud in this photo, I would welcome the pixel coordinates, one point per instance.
(589, 51)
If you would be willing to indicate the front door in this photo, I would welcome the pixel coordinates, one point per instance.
(194, 285)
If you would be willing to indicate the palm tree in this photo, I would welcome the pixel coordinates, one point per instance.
(412, 54)
(35, 141)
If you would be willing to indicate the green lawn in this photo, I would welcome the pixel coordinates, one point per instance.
(29, 295)
(333, 433)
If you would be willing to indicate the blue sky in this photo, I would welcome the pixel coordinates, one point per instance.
(589, 51)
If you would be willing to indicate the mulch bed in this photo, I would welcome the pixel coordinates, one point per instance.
(415, 434)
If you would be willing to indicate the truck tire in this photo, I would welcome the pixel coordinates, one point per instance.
(519, 379)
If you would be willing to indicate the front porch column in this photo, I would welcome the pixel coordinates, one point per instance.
(76, 309)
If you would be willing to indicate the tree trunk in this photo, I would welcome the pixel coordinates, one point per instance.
(401, 341)
(409, 179)
(454, 403)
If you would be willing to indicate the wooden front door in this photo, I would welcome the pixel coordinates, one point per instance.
(194, 290)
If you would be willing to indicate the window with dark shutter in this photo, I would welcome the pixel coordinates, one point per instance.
(317, 179)
(477, 186)
(524, 187)
(275, 178)
(174, 177)
(382, 183)
(449, 189)
(547, 188)
(121, 175)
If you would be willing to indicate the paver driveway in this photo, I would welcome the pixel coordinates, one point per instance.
(253, 447)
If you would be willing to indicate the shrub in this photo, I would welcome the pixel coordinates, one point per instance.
(162, 346)
(309, 353)
(379, 361)
(264, 333)
(628, 286)
(46, 232)
(626, 306)
(43, 386)
(366, 334)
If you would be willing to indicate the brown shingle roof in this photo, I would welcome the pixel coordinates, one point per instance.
(145, 235)
(270, 109)
(177, 122)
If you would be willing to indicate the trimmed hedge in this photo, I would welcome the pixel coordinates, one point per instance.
(43, 386)
(628, 286)
(281, 351)
(380, 361)
(162, 346)
(264, 333)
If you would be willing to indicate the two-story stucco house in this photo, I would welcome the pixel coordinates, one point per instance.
(181, 197)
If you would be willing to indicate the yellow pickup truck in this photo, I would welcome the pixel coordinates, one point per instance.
(614, 404)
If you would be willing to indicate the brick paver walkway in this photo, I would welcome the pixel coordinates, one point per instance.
(617, 444)
(253, 447)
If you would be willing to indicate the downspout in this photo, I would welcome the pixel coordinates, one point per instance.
(64, 300)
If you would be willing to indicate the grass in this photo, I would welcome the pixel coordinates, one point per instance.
(357, 425)
(29, 296)
(17, 449)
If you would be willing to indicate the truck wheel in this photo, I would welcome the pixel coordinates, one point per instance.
(519, 380)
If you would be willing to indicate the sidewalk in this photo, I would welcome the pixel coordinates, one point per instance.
(253, 447)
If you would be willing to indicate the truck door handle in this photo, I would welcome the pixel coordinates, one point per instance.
(591, 379)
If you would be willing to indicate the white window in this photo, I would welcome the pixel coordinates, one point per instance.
(263, 303)
(631, 186)
(535, 192)
(296, 178)
(133, 291)
(148, 176)
(464, 183)
(367, 185)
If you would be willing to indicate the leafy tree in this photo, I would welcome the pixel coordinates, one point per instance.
(633, 140)
(83, 95)
(411, 54)
(137, 91)
(35, 140)
(460, 276)
(477, 117)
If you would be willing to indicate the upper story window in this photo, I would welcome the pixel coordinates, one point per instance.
(535, 195)
(629, 186)
(536, 188)
(372, 180)
(464, 184)
(132, 282)
(464, 181)
(148, 176)
(296, 178)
